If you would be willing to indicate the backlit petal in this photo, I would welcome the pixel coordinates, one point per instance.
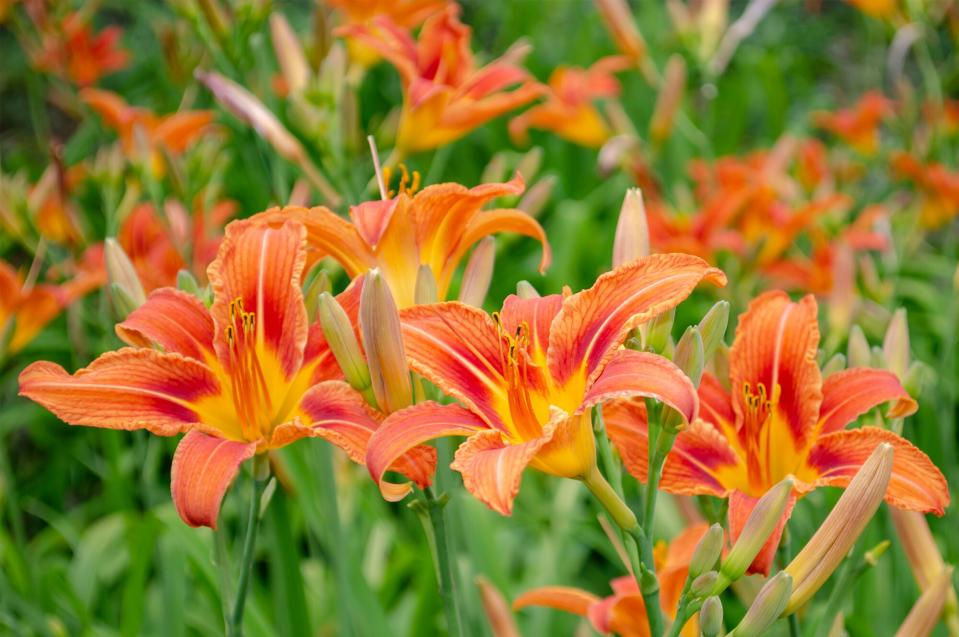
(564, 598)
(595, 322)
(715, 403)
(916, 484)
(502, 220)
(740, 506)
(175, 320)
(127, 389)
(405, 429)
(178, 130)
(36, 309)
(626, 425)
(203, 468)
(537, 315)
(701, 462)
(850, 393)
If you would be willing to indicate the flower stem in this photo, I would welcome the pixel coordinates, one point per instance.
(786, 554)
(658, 451)
(261, 471)
(445, 572)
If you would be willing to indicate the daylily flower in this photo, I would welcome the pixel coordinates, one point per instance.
(434, 227)
(569, 109)
(73, 51)
(444, 95)
(858, 126)
(937, 185)
(246, 376)
(624, 612)
(528, 376)
(24, 312)
(779, 419)
(403, 13)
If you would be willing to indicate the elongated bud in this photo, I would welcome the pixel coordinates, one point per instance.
(831, 542)
(186, 282)
(918, 544)
(658, 331)
(835, 364)
(721, 365)
(341, 338)
(383, 340)
(425, 291)
(895, 345)
(712, 19)
(711, 617)
(689, 356)
(707, 552)
(289, 53)
(478, 273)
(495, 169)
(924, 616)
(713, 328)
(622, 26)
(669, 100)
(536, 198)
(759, 526)
(215, 16)
(497, 610)
(122, 275)
(529, 164)
(858, 352)
(632, 232)
(525, 290)
(767, 606)
(704, 584)
(311, 295)
(123, 303)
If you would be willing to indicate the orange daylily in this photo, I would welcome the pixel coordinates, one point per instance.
(74, 52)
(243, 377)
(858, 126)
(624, 612)
(403, 13)
(528, 376)
(938, 187)
(435, 227)
(24, 312)
(444, 95)
(781, 418)
(569, 109)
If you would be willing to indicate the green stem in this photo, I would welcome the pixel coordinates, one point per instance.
(786, 553)
(665, 437)
(445, 572)
(337, 547)
(261, 468)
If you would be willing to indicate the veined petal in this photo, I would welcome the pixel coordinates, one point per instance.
(175, 320)
(627, 427)
(595, 322)
(564, 598)
(701, 462)
(405, 429)
(457, 348)
(848, 394)
(492, 469)
(203, 468)
(262, 266)
(500, 220)
(916, 484)
(715, 403)
(371, 218)
(127, 389)
(537, 314)
(740, 506)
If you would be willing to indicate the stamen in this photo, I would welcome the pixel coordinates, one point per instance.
(249, 390)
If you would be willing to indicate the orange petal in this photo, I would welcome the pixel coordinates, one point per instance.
(564, 598)
(740, 506)
(177, 131)
(405, 429)
(203, 468)
(175, 320)
(775, 347)
(916, 484)
(701, 462)
(502, 220)
(371, 219)
(111, 107)
(457, 348)
(262, 266)
(336, 412)
(672, 573)
(127, 389)
(626, 425)
(848, 394)
(537, 314)
(627, 616)
(36, 309)
(492, 469)
(595, 322)
(715, 403)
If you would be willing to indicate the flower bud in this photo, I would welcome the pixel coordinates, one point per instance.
(425, 291)
(767, 606)
(835, 364)
(538, 196)
(895, 345)
(688, 355)
(123, 303)
(529, 164)
(924, 616)
(669, 100)
(525, 290)
(341, 338)
(704, 584)
(497, 610)
(711, 617)
(478, 273)
(658, 331)
(759, 526)
(186, 282)
(622, 26)
(834, 538)
(311, 294)
(122, 275)
(707, 552)
(632, 232)
(383, 340)
(858, 352)
(289, 53)
(713, 328)
(924, 557)
(495, 169)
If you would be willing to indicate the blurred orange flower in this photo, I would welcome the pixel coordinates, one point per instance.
(858, 126)
(444, 95)
(937, 185)
(25, 310)
(72, 51)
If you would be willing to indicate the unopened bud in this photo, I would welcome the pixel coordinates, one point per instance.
(123, 303)
(767, 607)
(711, 617)
(341, 338)
(707, 552)
(529, 163)
(924, 616)
(538, 196)
(311, 294)
(383, 340)
(525, 290)
(834, 538)
(122, 275)
(895, 345)
(495, 169)
(760, 524)
(713, 328)
(858, 352)
(835, 364)
(478, 273)
(289, 53)
(632, 232)
(186, 282)
(425, 291)
(689, 356)
(497, 610)
(915, 378)
(704, 584)
(658, 331)
(669, 100)
(919, 545)
(622, 26)
(721, 365)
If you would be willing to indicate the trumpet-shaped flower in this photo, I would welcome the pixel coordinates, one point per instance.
(781, 418)
(624, 612)
(74, 52)
(435, 227)
(445, 95)
(241, 378)
(528, 375)
(569, 109)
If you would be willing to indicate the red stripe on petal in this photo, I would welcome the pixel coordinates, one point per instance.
(537, 314)
(701, 462)
(203, 468)
(626, 425)
(848, 394)
(175, 320)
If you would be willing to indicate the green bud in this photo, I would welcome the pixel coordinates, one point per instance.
(529, 164)
(341, 338)
(688, 354)
(121, 273)
(713, 328)
(916, 377)
(478, 273)
(759, 526)
(658, 331)
(835, 364)
(525, 290)
(186, 282)
(383, 340)
(123, 304)
(318, 284)
(707, 552)
(857, 350)
(711, 617)
(767, 607)
(704, 584)
(895, 345)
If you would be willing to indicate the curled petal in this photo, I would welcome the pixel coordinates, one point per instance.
(916, 484)
(503, 220)
(848, 394)
(203, 468)
(327, 234)
(740, 506)
(405, 429)
(565, 598)
(175, 320)
(127, 389)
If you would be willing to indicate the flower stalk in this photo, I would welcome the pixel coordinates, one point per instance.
(261, 473)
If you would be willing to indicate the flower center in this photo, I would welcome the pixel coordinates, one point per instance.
(524, 425)
(250, 392)
(758, 432)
